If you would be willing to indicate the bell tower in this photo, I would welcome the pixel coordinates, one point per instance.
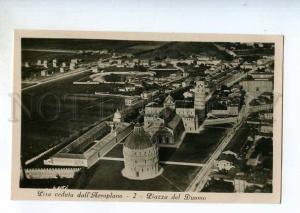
(199, 102)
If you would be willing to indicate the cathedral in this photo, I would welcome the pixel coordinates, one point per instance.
(167, 122)
(163, 124)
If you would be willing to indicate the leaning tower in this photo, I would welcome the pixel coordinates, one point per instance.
(199, 102)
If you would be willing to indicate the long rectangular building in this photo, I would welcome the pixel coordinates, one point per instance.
(86, 150)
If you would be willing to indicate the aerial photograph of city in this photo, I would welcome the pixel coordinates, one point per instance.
(140, 115)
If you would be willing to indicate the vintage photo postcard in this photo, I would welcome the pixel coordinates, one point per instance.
(110, 116)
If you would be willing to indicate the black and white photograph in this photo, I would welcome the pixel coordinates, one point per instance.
(130, 116)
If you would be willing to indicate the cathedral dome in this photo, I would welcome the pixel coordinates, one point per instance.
(138, 139)
(117, 116)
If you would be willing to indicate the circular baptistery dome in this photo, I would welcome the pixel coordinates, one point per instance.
(141, 159)
(139, 139)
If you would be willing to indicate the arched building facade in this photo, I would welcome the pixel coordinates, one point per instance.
(141, 158)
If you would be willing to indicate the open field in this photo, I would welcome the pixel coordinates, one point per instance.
(146, 46)
(90, 44)
(141, 49)
(55, 114)
(182, 50)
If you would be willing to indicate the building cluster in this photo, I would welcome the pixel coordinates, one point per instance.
(227, 101)
(265, 62)
(124, 62)
(48, 68)
(173, 72)
(261, 117)
(100, 52)
(250, 161)
(166, 122)
(263, 102)
(227, 160)
(86, 150)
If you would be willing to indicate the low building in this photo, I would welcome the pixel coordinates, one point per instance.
(225, 162)
(262, 75)
(131, 101)
(44, 73)
(130, 88)
(54, 63)
(86, 150)
(262, 103)
(229, 152)
(247, 66)
(45, 64)
(74, 60)
(94, 69)
(149, 94)
(254, 159)
(224, 165)
(256, 87)
(186, 83)
(266, 129)
(72, 66)
(188, 94)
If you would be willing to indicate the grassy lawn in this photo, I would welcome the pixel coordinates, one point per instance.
(106, 175)
(116, 152)
(50, 122)
(239, 140)
(195, 148)
(38, 134)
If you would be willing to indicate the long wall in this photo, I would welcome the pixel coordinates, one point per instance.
(217, 121)
(93, 154)
(106, 146)
(51, 173)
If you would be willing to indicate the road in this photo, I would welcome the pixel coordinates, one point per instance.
(58, 77)
(201, 178)
(49, 50)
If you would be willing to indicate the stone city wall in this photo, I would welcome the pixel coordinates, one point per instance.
(50, 173)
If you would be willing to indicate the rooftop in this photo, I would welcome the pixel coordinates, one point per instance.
(174, 122)
(138, 139)
(184, 104)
